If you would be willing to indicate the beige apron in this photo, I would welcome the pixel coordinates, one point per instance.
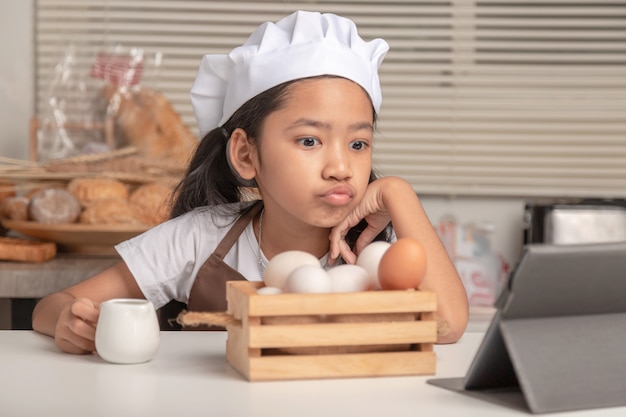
(208, 292)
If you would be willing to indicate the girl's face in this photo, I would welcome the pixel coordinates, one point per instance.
(315, 152)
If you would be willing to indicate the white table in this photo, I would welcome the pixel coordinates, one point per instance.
(190, 377)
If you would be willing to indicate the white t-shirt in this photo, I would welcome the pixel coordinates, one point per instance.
(166, 259)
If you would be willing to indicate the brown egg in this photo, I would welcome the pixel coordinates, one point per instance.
(403, 265)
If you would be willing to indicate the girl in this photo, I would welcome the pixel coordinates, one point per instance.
(292, 112)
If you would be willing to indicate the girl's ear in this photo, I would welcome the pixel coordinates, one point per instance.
(242, 154)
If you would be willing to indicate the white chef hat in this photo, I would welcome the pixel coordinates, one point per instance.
(303, 44)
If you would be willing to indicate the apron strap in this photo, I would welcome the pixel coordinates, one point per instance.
(208, 292)
(240, 225)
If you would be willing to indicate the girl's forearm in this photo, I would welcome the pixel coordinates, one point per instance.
(47, 311)
(410, 220)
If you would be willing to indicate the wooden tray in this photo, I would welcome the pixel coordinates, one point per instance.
(309, 336)
(75, 237)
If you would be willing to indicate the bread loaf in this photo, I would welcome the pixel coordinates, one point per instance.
(108, 211)
(54, 205)
(89, 190)
(22, 250)
(151, 203)
(149, 122)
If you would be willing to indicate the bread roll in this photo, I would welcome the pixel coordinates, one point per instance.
(54, 205)
(109, 211)
(151, 203)
(89, 190)
(15, 208)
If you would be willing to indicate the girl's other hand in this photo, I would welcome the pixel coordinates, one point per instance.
(373, 209)
(76, 327)
(393, 199)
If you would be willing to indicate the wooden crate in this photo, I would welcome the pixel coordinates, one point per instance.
(309, 336)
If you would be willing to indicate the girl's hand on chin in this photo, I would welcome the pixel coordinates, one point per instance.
(372, 208)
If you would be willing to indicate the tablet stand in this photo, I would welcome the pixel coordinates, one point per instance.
(558, 341)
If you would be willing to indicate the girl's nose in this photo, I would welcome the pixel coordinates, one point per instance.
(337, 164)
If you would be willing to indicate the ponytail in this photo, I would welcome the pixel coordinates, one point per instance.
(209, 180)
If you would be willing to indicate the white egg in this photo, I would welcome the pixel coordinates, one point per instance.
(281, 265)
(348, 278)
(369, 259)
(308, 279)
(269, 291)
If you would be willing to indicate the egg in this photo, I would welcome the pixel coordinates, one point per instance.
(308, 279)
(369, 259)
(281, 265)
(348, 278)
(403, 265)
(269, 291)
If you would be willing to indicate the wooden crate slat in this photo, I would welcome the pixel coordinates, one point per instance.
(350, 334)
(238, 297)
(237, 352)
(345, 303)
(243, 300)
(267, 368)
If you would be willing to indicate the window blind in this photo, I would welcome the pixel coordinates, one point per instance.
(480, 98)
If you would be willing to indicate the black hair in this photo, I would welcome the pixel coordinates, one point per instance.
(210, 181)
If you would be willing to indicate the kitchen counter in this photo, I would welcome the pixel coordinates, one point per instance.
(35, 280)
(21, 284)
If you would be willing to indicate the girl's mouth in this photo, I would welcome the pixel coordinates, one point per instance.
(338, 196)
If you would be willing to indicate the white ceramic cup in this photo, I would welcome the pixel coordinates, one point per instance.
(127, 331)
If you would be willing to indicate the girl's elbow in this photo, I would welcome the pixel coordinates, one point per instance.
(450, 330)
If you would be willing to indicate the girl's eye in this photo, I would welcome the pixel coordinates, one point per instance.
(308, 142)
(358, 145)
